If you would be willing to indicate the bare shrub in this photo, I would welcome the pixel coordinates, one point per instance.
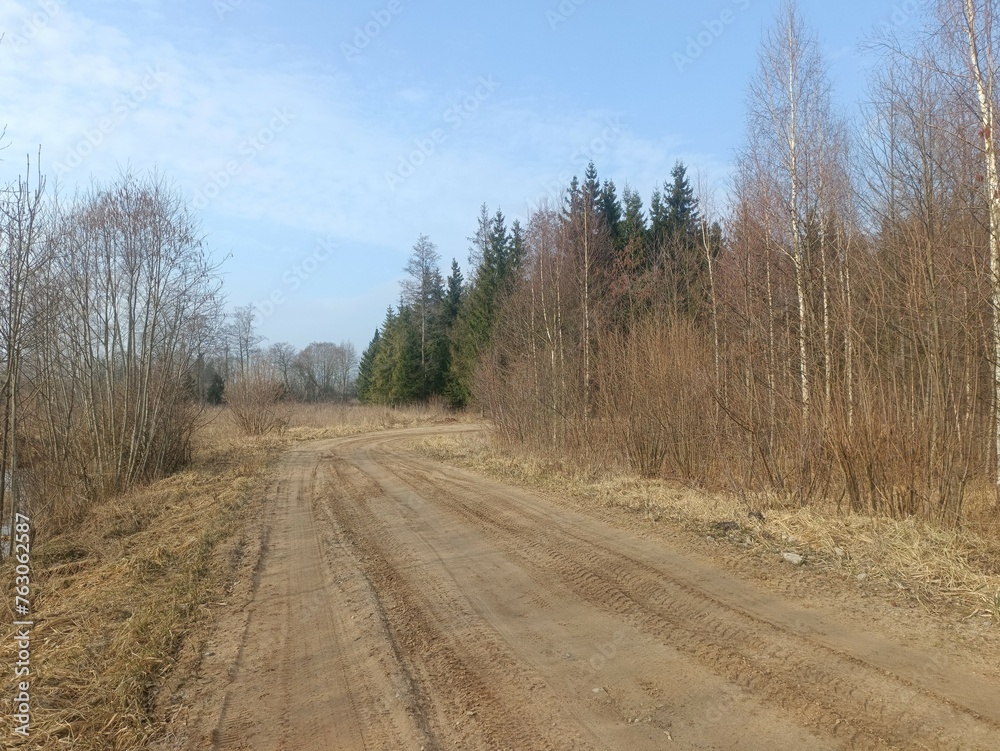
(255, 404)
(658, 397)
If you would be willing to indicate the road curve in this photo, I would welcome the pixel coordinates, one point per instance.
(401, 603)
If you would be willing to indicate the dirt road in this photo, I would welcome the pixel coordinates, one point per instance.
(400, 603)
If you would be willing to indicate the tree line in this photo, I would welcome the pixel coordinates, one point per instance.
(430, 345)
(319, 372)
(832, 331)
(114, 335)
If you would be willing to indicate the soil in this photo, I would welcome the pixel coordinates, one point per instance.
(397, 602)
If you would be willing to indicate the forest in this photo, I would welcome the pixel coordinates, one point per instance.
(831, 330)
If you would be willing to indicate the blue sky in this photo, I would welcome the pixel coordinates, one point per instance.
(319, 140)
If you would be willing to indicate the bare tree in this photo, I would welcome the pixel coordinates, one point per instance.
(788, 117)
(21, 256)
(422, 292)
(969, 25)
(347, 363)
(128, 297)
(282, 356)
(243, 337)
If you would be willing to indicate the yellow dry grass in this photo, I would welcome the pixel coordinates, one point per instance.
(113, 601)
(314, 421)
(116, 601)
(937, 565)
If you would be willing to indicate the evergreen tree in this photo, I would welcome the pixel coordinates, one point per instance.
(366, 370)
(497, 262)
(515, 253)
(610, 211)
(658, 220)
(500, 253)
(383, 361)
(633, 228)
(687, 268)
(216, 389)
(573, 203)
(406, 382)
(681, 205)
(453, 294)
(591, 189)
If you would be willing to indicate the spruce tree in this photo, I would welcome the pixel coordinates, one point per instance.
(366, 370)
(687, 266)
(591, 189)
(454, 291)
(681, 205)
(500, 253)
(610, 211)
(383, 363)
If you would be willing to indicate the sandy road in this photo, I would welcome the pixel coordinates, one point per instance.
(403, 604)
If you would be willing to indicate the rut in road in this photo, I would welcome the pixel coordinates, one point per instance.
(407, 604)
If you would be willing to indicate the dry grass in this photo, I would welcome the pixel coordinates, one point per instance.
(117, 600)
(314, 421)
(938, 566)
(113, 601)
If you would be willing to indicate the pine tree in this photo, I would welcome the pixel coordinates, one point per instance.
(610, 211)
(453, 294)
(681, 205)
(500, 253)
(366, 370)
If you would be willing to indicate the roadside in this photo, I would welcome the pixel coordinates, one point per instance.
(895, 574)
(123, 605)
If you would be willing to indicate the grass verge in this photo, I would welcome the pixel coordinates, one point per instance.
(113, 601)
(116, 603)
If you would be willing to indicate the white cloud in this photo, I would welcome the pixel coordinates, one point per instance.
(201, 114)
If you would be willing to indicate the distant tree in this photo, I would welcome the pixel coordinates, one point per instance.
(611, 213)
(383, 363)
(686, 269)
(501, 255)
(366, 370)
(216, 390)
(681, 204)
(281, 356)
(242, 336)
(453, 294)
(423, 293)
(347, 360)
(591, 190)
(659, 220)
(403, 367)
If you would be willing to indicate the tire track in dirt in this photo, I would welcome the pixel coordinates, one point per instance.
(439, 565)
(475, 693)
(306, 676)
(405, 604)
(857, 703)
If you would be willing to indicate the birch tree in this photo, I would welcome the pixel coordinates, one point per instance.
(973, 23)
(21, 255)
(788, 115)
